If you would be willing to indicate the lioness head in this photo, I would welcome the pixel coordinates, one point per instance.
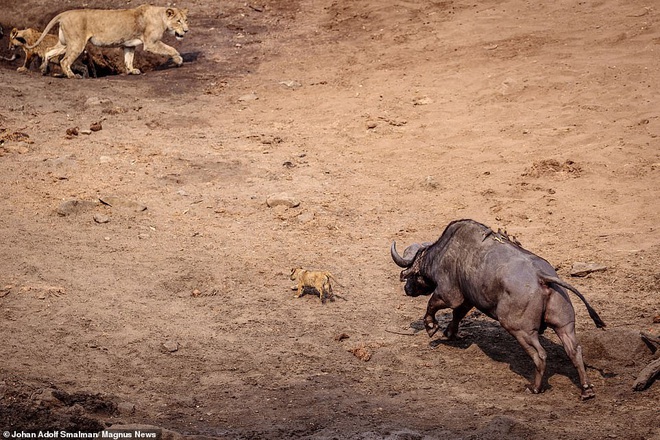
(177, 22)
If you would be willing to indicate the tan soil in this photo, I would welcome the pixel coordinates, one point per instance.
(386, 120)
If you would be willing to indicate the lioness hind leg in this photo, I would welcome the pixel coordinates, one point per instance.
(73, 51)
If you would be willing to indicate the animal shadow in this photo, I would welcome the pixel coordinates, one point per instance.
(500, 346)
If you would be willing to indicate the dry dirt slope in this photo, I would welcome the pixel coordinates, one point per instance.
(401, 116)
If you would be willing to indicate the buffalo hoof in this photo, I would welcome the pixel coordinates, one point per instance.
(432, 329)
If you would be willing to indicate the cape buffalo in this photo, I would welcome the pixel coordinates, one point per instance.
(472, 266)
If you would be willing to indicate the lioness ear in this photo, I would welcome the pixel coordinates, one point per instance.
(13, 33)
(170, 12)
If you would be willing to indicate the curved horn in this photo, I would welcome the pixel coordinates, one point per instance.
(398, 259)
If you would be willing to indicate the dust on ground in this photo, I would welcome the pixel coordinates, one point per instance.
(171, 306)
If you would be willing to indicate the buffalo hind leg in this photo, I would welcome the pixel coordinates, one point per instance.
(574, 351)
(530, 343)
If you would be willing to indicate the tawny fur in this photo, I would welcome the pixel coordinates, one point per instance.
(321, 281)
(28, 37)
(125, 28)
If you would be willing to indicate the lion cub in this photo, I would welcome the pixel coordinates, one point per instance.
(321, 281)
(27, 37)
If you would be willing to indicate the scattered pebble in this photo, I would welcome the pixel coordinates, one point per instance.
(282, 199)
(74, 206)
(291, 84)
(171, 346)
(126, 408)
(101, 218)
(96, 126)
(580, 269)
(248, 97)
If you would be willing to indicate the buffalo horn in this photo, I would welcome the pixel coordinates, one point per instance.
(398, 259)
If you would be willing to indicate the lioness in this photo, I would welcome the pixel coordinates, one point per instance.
(121, 27)
(321, 281)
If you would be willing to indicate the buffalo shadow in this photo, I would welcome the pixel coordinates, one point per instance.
(501, 346)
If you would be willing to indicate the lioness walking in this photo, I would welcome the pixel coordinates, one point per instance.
(125, 28)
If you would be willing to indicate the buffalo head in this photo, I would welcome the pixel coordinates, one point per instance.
(416, 283)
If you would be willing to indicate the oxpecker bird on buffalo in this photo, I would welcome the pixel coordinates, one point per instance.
(471, 266)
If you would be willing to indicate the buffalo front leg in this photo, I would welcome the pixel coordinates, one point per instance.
(430, 323)
(459, 313)
(163, 49)
(574, 351)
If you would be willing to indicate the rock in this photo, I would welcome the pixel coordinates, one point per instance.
(306, 217)
(95, 101)
(371, 125)
(73, 131)
(86, 132)
(422, 101)
(248, 97)
(580, 269)
(291, 84)
(361, 352)
(96, 126)
(118, 202)
(74, 206)
(126, 408)
(282, 199)
(171, 346)
(100, 218)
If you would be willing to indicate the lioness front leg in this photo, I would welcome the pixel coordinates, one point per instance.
(129, 55)
(163, 49)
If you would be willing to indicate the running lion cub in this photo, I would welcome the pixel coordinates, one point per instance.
(321, 281)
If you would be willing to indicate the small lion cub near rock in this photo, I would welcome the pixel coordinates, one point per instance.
(321, 281)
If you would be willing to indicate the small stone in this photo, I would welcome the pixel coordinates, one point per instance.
(86, 132)
(248, 97)
(580, 269)
(100, 218)
(306, 217)
(95, 101)
(371, 125)
(425, 100)
(171, 346)
(291, 84)
(96, 126)
(73, 131)
(74, 207)
(126, 408)
(282, 199)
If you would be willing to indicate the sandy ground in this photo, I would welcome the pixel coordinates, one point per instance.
(171, 305)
